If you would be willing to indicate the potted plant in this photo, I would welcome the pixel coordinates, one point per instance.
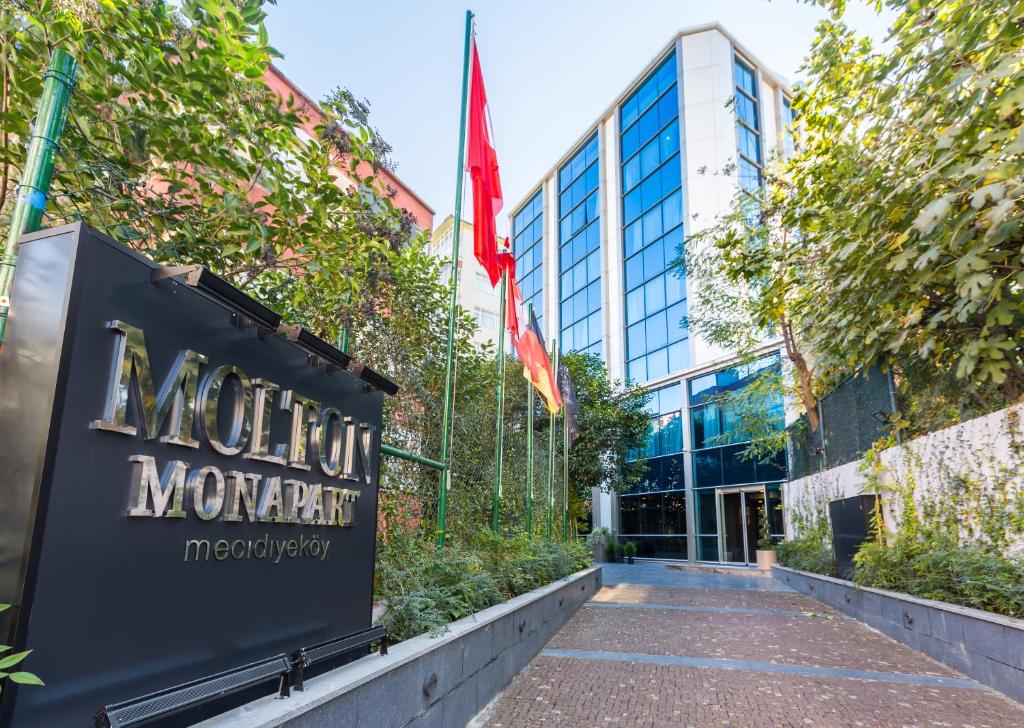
(616, 549)
(765, 549)
(629, 551)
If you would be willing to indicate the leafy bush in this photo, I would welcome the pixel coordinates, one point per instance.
(807, 552)
(970, 574)
(629, 549)
(424, 589)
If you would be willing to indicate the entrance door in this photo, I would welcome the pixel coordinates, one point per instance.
(740, 518)
(753, 505)
(732, 527)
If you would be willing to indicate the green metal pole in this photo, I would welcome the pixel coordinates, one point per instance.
(565, 477)
(499, 455)
(40, 159)
(453, 302)
(529, 446)
(551, 452)
(412, 457)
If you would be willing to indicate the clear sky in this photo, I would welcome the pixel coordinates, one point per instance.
(551, 67)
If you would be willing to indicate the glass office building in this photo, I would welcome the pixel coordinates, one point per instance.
(528, 247)
(579, 255)
(599, 243)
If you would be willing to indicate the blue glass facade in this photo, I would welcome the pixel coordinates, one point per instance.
(750, 164)
(653, 513)
(528, 247)
(717, 443)
(579, 238)
(652, 227)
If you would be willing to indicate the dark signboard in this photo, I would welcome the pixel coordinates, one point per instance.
(188, 486)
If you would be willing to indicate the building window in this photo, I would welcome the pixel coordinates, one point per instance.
(528, 246)
(718, 441)
(652, 232)
(486, 319)
(788, 127)
(579, 237)
(652, 513)
(748, 128)
(482, 283)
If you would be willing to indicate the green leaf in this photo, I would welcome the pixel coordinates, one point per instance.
(25, 678)
(13, 659)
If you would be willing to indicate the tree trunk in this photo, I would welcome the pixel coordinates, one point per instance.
(805, 377)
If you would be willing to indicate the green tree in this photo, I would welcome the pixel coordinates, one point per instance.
(613, 425)
(893, 237)
(908, 192)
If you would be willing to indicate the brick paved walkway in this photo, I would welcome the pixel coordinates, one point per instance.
(660, 646)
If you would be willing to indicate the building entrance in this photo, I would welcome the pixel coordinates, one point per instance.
(739, 515)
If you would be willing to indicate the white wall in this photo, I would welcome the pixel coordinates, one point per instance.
(982, 449)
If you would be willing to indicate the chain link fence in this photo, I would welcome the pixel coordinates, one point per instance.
(853, 416)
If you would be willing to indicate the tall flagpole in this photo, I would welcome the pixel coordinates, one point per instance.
(500, 439)
(565, 472)
(551, 452)
(453, 301)
(529, 445)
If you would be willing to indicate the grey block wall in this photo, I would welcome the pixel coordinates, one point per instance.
(987, 647)
(428, 682)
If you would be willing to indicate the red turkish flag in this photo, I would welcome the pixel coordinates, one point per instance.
(482, 164)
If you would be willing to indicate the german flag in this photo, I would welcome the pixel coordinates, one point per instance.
(536, 364)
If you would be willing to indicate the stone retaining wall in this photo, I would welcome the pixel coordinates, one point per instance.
(985, 646)
(426, 682)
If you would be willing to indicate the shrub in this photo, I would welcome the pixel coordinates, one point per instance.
(807, 552)
(967, 574)
(616, 551)
(629, 549)
(425, 589)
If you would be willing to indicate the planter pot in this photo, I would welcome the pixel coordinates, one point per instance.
(629, 559)
(599, 556)
(765, 559)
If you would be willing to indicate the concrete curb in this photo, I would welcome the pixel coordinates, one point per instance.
(987, 647)
(425, 681)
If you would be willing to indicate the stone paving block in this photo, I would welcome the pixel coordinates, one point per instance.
(1007, 678)
(335, 714)
(988, 639)
(1015, 647)
(390, 700)
(946, 626)
(494, 676)
(439, 671)
(477, 650)
(915, 617)
(461, 704)
(432, 718)
(892, 610)
(504, 633)
(824, 684)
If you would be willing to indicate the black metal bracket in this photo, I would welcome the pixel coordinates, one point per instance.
(188, 695)
(307, 656)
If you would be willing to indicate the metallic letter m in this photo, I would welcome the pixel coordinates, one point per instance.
(175, 400)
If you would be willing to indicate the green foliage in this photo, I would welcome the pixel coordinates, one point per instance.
(894, 235)
(910, 194)
(612, 423)
(615, 551)
(8, 661)
(629, 549)
(958, 542)
(968, 574)
(808, 551)
(425, 589)
(764, 538)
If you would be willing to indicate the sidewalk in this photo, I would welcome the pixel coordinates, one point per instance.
(665, 647)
